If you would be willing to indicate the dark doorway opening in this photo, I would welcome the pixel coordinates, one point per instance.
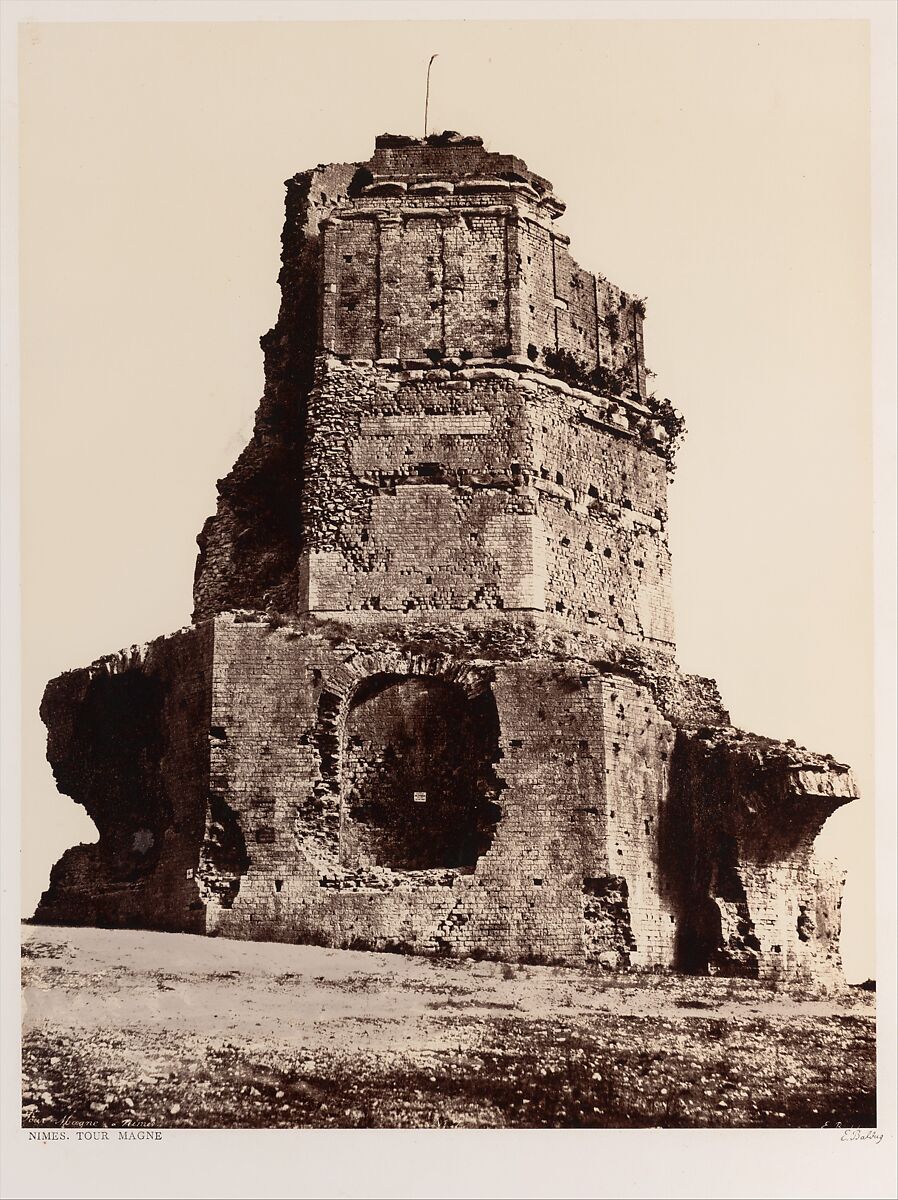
(419, 785)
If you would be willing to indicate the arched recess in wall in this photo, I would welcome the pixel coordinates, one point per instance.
(120, 781)
(419, 788)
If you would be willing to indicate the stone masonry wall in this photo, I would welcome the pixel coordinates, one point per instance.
(483, 488)
(565, 307)
(281, 708)
(638, 745)
(230, 780)
(415, 276)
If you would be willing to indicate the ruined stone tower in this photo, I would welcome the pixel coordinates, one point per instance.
(429, 699)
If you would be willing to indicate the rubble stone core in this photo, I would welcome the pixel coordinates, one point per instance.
(429, 700)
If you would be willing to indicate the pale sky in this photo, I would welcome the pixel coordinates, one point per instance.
(719, 168)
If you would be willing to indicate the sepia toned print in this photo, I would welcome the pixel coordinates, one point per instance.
(429, 705)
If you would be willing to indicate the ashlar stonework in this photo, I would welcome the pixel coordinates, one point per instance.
(429, 699)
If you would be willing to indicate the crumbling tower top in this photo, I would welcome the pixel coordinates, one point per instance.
(441, 248)
(455, 158)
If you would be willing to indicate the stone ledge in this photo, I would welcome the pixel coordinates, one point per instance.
(510, 366)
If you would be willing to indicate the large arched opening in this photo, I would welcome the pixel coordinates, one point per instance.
(419, 785)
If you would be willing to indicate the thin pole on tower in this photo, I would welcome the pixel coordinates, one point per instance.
(427, 93)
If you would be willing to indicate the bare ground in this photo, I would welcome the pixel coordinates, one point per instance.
(153, 1030)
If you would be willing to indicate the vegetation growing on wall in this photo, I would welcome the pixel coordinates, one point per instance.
(573, 370)
(673, 423)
